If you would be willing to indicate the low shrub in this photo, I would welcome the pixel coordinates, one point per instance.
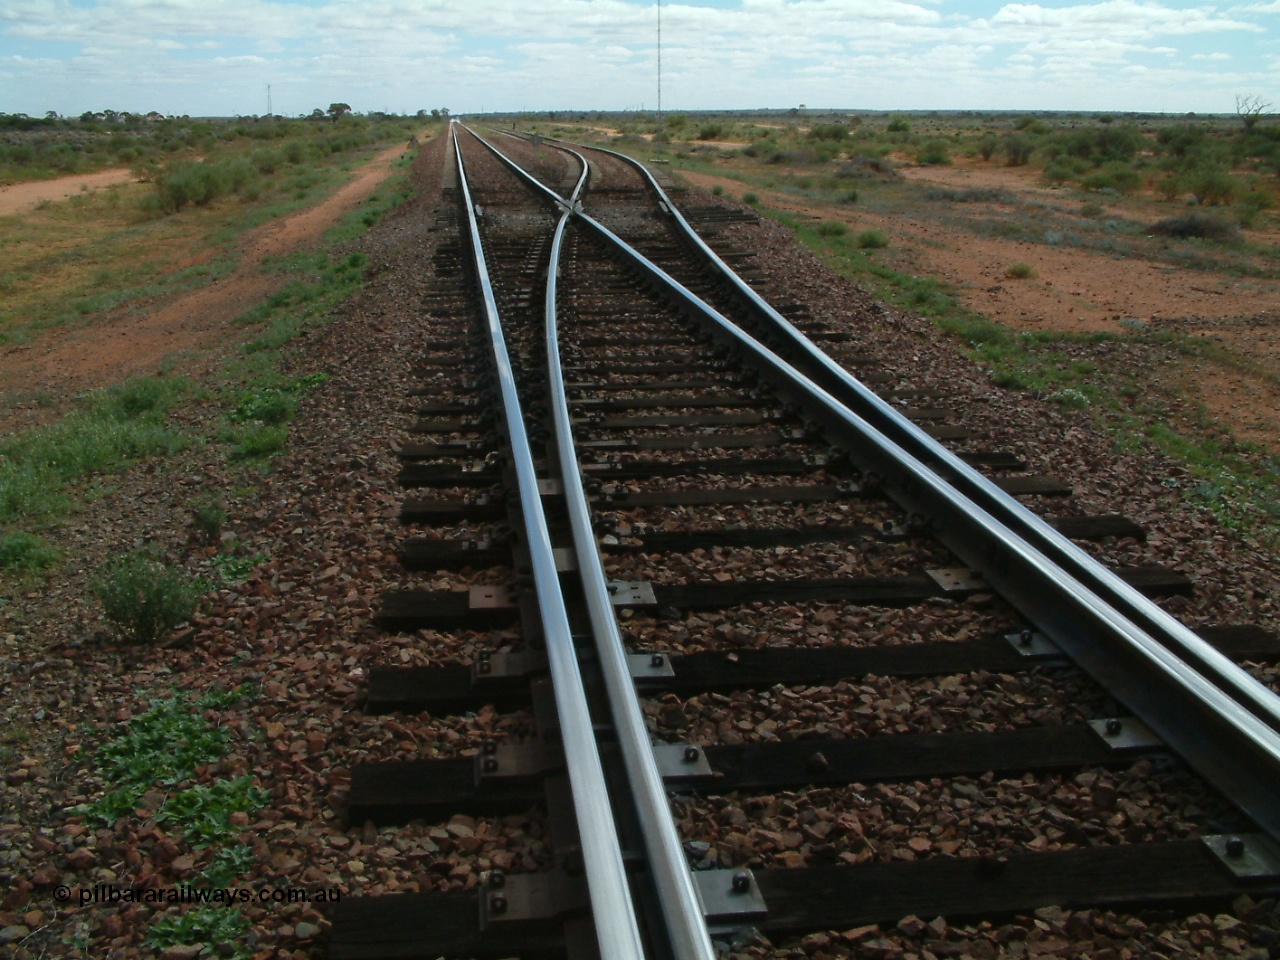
(143, 598)
(1212, 187)
(1116, 176)
(25, 553)
(971, 195)
(872, 240)
(1197, 226)
(208, 516)
(850, 197)
(934, 153)
(750, 198)
(255, 440)
(1018, 150)
(1020, 271)
(832, 228)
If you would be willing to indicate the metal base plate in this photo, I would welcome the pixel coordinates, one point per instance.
(1249, 856)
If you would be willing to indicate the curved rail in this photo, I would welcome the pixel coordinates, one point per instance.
(1141, 611)
(617, 930)
(682, 909)
(1219, 736)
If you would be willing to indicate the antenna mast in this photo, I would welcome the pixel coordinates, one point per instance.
(659, 67)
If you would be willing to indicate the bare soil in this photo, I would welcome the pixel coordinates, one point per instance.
(20, 197)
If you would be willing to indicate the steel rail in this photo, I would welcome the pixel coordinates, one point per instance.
(1137, 608)
(682, 908)
(617, 929)
(1215, 734)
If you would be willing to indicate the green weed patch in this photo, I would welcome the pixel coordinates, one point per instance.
(118, 426)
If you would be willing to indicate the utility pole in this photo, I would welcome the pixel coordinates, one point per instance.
(657, 137)
(268, 99)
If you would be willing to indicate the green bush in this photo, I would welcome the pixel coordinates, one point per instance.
(828, 131)
(750, 198)
(268, 405)
(987, 146)
(710, 131)
(257, 440)
(1020, 271)
(832, 228)
(1210, 186)
(850, 197)
(899, 125)
(872, 240)
(144, 598)
(25, 553)
(1117, 176)
(209, 516)
(934, 153)
(1017, 150)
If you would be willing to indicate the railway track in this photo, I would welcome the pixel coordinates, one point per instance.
(797, 661)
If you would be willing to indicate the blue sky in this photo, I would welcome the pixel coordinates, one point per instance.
(216, 57)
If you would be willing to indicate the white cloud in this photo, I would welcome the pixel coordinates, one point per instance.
(565, 53)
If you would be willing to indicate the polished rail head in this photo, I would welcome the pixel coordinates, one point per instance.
(617, 929)
(1223, 738)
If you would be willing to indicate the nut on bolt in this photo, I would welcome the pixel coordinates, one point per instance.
(490, 746)
(498, 903)
(497, 879)
(1114, 727)
(691, 754)
(489, 764)
(1025, 638)
(656, 660)
(1235, 847)
(741, 882)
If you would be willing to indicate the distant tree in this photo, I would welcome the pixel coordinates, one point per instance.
(1250, 108)
(316, 114)
(338, 110)
(51, 115)
(435, 113)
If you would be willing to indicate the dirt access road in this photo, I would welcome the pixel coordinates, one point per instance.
(21, 197)
(70, 362)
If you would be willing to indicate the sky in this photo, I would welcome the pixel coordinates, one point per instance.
(217, 57)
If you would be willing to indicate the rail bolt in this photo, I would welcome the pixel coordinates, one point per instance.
(489, 764)
(1235, 848)
(1025, 638)
(1114, 727)
(691, 754)
(490, 746)
(741, 882)
(497, 879)
(498, 904)
(656, 660)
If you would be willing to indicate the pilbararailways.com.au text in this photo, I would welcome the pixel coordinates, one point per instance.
(106, 893)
